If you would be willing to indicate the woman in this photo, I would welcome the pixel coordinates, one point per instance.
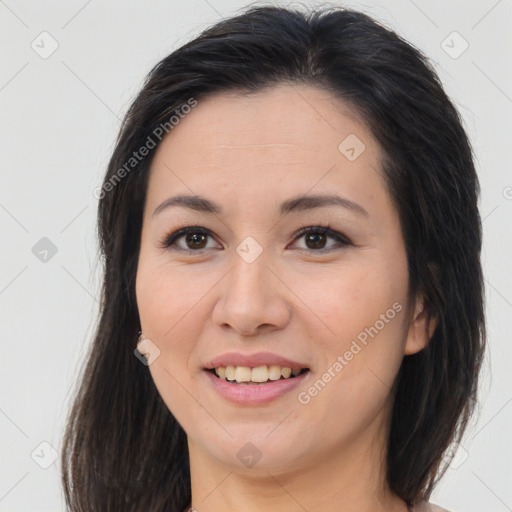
(292, 308)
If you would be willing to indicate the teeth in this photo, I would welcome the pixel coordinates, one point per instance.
(230, 372)
(286, 372)
(258, 374)
(274, 372)
(242, 374)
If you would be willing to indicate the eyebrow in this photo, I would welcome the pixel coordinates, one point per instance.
(299, 203)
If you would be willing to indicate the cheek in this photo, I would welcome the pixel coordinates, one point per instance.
(355, 296)
(364, 308)
(167, 299)
(160, 310)
(169, 310)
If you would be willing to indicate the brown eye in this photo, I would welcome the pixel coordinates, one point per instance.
(188, 239)
(196, 240)
(315, 240)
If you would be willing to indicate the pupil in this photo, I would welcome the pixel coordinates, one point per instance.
(317, 239)
(195, 239)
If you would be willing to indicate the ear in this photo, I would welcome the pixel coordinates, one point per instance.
(421, 329)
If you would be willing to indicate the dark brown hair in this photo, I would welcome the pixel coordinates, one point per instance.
(123, 450)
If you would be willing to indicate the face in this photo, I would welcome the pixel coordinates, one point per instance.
(245, 287)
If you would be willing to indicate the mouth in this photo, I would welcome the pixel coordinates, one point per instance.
(257, 375)
(254, 386)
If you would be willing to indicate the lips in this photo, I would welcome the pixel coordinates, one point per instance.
(251, 379)
(254, 394)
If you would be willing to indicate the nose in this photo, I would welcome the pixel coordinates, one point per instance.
(252, 299)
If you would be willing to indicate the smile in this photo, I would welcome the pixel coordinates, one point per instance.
(249, 393)
(257, 375)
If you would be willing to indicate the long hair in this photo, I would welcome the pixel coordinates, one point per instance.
(123, 449)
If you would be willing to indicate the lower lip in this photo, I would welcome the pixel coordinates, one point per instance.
(254, 394)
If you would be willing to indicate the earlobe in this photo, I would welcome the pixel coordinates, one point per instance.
(421, 329)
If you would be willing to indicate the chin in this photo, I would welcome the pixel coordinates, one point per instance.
(253, 448)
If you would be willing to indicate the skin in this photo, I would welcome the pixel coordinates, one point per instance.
(248, 154)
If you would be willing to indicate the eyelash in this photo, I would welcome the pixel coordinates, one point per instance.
(168, 240)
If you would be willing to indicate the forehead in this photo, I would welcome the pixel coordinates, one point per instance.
(273, 117)
(293, 137)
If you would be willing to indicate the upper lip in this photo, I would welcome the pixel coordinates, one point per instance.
(253, 360)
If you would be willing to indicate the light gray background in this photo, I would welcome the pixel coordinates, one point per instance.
(59, 118)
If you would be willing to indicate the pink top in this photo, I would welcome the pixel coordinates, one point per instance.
(425, 506)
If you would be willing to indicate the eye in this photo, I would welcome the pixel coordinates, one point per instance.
(193, 238)
(316, 237)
